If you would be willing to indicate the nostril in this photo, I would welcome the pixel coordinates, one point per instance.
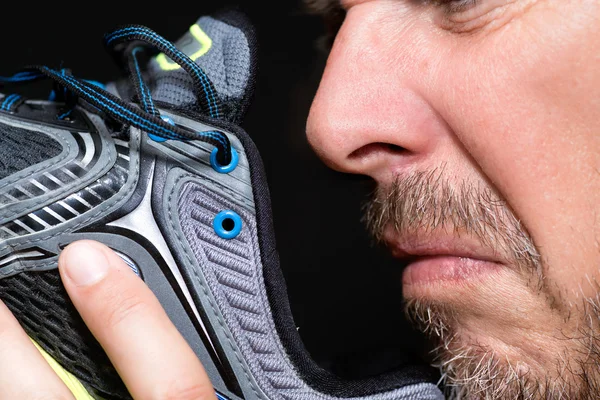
(376, 149)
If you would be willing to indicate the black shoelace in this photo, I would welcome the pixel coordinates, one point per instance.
(127, 43)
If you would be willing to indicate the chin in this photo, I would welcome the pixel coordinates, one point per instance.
(483, 357)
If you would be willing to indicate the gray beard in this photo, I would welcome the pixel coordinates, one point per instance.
(470, 371)
(425, 201)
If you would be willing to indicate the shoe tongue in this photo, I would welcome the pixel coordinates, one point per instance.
(224, 46)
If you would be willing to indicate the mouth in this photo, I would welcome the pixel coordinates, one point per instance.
(434, 259)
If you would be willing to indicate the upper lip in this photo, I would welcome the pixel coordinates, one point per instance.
(430, 244)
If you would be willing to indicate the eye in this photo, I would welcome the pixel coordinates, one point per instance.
(457, 6)
(469, 15)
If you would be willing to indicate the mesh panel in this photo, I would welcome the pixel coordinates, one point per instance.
(43, 308)
(21, 148)
(227, 63)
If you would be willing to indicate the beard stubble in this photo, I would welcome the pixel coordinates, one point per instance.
(427, 202)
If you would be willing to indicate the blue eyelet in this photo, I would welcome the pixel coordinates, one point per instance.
(224, 169)
(230, 217)
(159, 139)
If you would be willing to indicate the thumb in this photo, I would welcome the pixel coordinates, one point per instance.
(151, 356)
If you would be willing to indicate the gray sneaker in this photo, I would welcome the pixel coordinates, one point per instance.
(156, 167)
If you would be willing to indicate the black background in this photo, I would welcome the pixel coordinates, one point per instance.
(345, 293)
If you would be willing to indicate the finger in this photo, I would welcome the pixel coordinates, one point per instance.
(24, 374)
(151, 356)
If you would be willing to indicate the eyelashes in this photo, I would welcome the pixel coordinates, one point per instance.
(456, 6)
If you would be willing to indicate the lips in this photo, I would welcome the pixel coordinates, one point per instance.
(435, 258)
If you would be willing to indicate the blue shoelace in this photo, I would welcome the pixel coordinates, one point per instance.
(127, 43)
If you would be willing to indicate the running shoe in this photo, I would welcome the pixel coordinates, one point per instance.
(156, 166)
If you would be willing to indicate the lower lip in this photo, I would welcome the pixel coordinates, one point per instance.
(441, 269)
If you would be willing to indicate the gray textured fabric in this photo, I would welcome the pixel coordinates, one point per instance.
(232, 270)
(227, 64)
(21, 148)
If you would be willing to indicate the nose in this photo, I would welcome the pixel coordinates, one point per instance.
(370, 115)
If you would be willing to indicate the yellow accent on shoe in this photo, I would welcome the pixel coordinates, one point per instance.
(205, 41)
(78, 390)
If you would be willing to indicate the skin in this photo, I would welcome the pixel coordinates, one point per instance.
(127, 320)
(505, 95)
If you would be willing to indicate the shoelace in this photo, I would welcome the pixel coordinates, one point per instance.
(126, 44)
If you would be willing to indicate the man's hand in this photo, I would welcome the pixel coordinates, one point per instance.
(152, 358)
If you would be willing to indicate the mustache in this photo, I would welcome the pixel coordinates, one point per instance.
(426, 201)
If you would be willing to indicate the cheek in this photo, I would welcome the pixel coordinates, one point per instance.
(524, 102)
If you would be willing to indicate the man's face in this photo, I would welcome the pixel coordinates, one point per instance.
(479, 120)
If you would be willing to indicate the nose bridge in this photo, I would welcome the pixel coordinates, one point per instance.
(369, 112)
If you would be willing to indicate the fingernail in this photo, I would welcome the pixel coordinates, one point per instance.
(85, 264)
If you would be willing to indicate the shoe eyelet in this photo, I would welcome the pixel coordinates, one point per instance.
(160, 139)
(227, 224)
(224, 169)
